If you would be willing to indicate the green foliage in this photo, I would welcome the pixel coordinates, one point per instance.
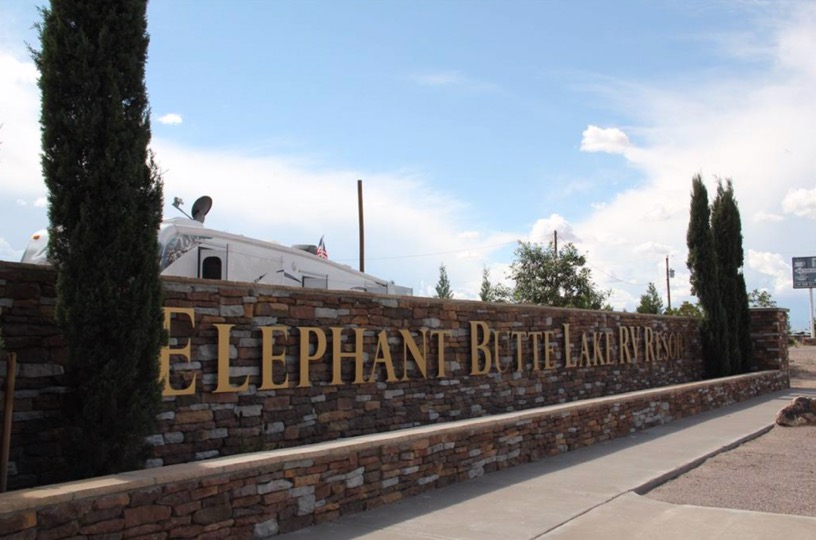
(493, 293)
(502, 294)
(686, 309)
(715, 259)
(726, 227)
(704, 267)
(761, 299)
(561, 280)
(105, 200)
(651, 301)
(486, 291)
(443, 288)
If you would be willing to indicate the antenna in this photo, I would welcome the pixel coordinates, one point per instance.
(177, 202)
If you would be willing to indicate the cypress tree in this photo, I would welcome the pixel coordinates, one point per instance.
(726, 226)
(105, 201)
(704, 267)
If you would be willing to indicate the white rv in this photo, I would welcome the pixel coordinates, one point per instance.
(188, 249)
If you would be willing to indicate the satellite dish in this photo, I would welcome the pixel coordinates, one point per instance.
(201, 207)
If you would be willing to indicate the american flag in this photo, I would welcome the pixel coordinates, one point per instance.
(321, 249)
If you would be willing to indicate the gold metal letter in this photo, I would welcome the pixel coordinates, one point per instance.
(496, 346)
(608, 337)
(597, 357)
(167, 352)
(268, 359)
(420, 357)
(584, 359)
(648, 342)
(338, 355)
(534, 348)
(519, 349)
(477, 346)
(382, 348)
(440, 345)
(305, 357)
(635, 332)
(548, 349)
(223, 362)
(568, 362)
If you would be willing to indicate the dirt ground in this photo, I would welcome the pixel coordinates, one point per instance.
(772, 473)
(803, 366)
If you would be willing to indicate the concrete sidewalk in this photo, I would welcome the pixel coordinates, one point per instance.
(589, 493)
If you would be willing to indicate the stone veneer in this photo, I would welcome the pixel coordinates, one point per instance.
(207, 424)
(769, 332)
(266, 493)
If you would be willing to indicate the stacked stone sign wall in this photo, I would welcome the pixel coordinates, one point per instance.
(257, 368)
(262, 494)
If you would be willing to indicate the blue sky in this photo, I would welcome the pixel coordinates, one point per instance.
(473, 124)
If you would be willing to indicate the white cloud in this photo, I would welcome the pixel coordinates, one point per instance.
(20, 173)
(543, 229)
(170, 119)
(773, 265)
(20, 202)
(800, 202)
(610, 140)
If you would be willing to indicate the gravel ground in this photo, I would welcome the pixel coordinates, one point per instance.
(772, 473)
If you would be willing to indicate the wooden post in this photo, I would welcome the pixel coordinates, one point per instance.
(11, 369)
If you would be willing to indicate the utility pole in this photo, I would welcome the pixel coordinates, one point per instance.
(669, 273)
(362, 224)
(555, 243)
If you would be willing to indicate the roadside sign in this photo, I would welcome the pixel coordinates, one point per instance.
(804, 272)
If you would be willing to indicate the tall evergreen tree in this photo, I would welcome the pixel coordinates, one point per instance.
(703, 264)
(105, 201)
(443, 288)
(726, 227)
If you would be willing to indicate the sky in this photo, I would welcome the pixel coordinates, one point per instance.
(473, 124)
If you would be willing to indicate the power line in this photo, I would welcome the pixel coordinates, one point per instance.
(434, 253)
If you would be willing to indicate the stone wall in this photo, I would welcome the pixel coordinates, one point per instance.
(263, 336)
(362, 376)
(266, 493)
